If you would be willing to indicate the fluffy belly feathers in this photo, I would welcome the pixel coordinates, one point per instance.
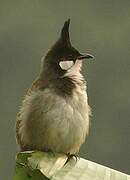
(50, 122)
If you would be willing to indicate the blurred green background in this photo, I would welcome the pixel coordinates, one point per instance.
(28, 28)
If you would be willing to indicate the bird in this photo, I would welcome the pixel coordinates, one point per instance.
(55, 114)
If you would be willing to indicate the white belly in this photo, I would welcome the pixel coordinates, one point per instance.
(50, 122)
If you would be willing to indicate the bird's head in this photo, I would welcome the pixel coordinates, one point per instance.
(62, 56)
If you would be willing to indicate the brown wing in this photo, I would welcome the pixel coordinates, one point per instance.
(17, 127)
(38, 84)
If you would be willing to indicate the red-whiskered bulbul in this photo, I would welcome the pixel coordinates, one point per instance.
(54, 115)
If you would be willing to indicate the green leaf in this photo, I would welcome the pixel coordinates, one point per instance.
(41, 166)
(23, 171)
(47, 163)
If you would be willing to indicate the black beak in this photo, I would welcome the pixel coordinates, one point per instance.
(85, 56)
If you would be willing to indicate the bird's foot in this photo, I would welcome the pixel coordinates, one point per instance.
(72, 156)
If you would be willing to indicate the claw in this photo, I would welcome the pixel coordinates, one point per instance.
(72, 156)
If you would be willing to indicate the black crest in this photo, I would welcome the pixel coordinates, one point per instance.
(65, 37)
(63, 48)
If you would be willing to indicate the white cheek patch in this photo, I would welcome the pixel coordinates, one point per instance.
(65, 65)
